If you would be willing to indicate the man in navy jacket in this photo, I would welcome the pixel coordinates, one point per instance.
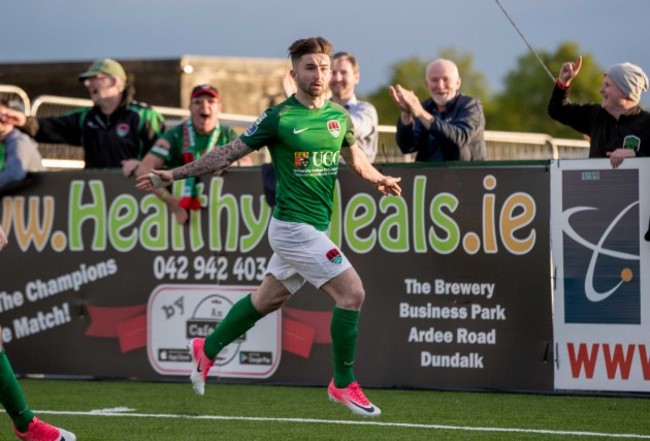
(448, 126)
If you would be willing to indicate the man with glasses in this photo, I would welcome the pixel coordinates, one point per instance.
(115, 132)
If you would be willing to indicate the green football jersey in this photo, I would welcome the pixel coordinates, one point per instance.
(176, 138)
(305, 145)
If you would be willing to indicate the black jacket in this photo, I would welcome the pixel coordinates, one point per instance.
(455, 134)
(128, 133)
(605, 132)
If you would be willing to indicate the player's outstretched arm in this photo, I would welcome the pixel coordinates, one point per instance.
(153, 180)
(358, 162)
(213, 162)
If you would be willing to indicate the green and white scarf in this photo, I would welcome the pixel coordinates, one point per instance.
(190, 199)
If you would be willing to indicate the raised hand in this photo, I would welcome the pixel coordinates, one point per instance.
(397, 96)
(569, 71)
(12, 116)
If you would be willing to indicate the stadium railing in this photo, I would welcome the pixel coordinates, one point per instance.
(501, 146)
(16, 97)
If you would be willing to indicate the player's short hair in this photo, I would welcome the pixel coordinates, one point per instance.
(349, 57)
(312, 45)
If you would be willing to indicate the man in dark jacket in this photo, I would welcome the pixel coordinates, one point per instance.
(115, 132)
(448, 126)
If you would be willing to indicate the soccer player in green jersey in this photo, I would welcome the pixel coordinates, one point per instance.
(305, 135)
(25, 424)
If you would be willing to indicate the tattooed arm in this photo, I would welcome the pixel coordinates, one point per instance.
(213, 162)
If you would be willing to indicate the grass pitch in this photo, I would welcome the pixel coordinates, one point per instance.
(129, 410)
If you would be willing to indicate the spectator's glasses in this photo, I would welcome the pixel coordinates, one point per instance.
(97, 78)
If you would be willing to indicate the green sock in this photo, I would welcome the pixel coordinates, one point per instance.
(344, 344)
(241, 317)
(11, 396)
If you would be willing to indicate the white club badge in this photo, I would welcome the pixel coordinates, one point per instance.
(334, 128)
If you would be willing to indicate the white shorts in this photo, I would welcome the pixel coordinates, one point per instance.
(302, 253)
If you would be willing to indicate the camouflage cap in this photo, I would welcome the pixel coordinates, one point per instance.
(107, 66)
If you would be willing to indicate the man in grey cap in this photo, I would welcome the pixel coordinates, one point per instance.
(115, 133)
(618, 127)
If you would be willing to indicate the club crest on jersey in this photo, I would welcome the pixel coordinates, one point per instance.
(301, 159)
(334, 127)
(334, 256)
(122, 130)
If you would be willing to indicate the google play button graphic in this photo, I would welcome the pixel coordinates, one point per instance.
(178, 313)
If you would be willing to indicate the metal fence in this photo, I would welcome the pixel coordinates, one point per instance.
(60, 156)
(501, 146)
(16, 97)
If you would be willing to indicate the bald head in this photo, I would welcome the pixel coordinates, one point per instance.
(442, 65)
(442, 80)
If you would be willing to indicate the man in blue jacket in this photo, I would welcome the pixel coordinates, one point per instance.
(448, 126)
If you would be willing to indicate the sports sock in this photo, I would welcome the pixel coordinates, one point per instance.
(241, 317)
(11, 395)
(344, 344)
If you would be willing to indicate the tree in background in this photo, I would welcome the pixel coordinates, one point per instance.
(521, 107)
(410, 74)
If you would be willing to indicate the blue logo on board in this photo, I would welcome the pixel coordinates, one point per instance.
(600, 223)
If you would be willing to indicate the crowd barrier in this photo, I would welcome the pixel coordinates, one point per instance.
(16, 97)
(516, 277)
(501, 146)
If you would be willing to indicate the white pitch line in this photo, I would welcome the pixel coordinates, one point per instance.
(122, 413)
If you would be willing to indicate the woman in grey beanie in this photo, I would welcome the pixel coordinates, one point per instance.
(630, 79)
(618, 127)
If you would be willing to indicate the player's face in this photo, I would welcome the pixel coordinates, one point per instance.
(443, 82)
(344, 79)
(613, 97)
(312, 74)
(204, 110)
